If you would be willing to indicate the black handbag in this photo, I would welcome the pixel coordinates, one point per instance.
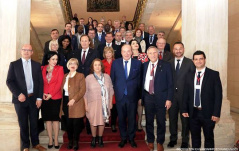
(40, 125)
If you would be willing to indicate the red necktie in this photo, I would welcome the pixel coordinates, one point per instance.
(160, 55)
(151, 82)
(83, 57)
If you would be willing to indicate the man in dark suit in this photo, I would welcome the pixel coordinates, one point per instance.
(157, 94)
(161, 35)
(109, 38)
(129, 35)
(142, 27)
(24, 80)
(85, 57)
(163, 54)
(125, 75)
(94, 40)
(118, 44)
(181, 66)
(82, 22)
(116, 26)
(152, 38)
(202, 101)
(73, 37)
(100, 34)
(54, 36)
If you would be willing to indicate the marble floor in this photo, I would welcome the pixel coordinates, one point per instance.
(235, 117)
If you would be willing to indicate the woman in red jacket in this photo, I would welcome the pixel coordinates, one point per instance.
(52, 75)
(108, 54)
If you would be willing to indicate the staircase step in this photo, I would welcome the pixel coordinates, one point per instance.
(108, 136)
(44, 139)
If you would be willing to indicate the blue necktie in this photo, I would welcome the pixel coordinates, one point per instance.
(177, 67)
(197, 96)
(126, 76)
(99, 37)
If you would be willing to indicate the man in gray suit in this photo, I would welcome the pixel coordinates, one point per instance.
(163, 54)
(181, 66)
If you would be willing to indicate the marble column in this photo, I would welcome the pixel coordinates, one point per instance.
(15, 31)
(205, 27)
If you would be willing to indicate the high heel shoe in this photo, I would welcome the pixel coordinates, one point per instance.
(56, 146)
(70, 144)
(76, 145)
(101, 144)
(50, 146)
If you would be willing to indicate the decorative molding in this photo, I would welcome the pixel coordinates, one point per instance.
(139, 11)
(234, 109)
(103, 6)
(66, 10)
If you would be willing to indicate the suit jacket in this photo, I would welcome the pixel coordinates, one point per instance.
(76, 91)
(117, 49)
(102, 37)
(145, 34)
(16, 80)
(85, 68)
(167, 55)
(186, 67)
(167, 47)
(211, 94)
(146, 39)
(163, 82)
(54, 86)
(133, 82)
(96, 43)
(46, 48)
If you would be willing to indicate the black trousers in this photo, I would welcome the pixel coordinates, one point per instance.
(127, 110)
(173, 122)
(74, 126)
(114, 115)
(152, 109)
(27, 112)
(196, 123)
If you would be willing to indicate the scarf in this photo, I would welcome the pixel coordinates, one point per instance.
(105, 98)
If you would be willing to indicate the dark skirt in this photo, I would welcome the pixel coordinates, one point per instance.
(50, 110)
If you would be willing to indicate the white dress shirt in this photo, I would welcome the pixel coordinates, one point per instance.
(128, 65)
(176, 62)
(148, 77)
(110, 44)
(198, 86)
(82, 52)
(30, 66)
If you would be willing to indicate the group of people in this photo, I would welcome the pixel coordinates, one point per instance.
(104, 75)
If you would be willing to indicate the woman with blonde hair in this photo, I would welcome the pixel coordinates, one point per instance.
(73, 105)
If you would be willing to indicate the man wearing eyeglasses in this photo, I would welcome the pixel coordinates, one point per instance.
(24, 80)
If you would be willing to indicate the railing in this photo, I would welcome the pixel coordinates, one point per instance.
(139, 11)
(67, 12)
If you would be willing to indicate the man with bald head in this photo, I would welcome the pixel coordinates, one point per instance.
(125, 75)
(163, 54)
(24, 80)
(157, 94)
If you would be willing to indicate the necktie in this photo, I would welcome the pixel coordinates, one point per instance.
(160, 55)
(126, 75)
(151, 40)
(108, 45)
(178, 66)
(99, 37)
(83, 57)
(151, 82)
(197, 96)
(28, 75)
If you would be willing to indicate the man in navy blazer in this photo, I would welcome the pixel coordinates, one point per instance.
(202, 101)
(100, 34)
(125, 75)
(157, 94)
(25, 81)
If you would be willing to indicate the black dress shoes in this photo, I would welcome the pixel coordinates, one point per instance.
(172, 143)
(133, 144)
(70, 144)
(100, 141)
(184, 146)
(49, 146)
(93, 142)
(57, 147)
(122, 143)
(113, 128)
(76, 145)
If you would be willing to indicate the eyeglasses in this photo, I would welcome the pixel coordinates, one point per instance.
(26, 50)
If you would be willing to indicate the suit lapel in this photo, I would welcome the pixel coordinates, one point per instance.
(131, 69)
(121, 66)
(33, 71)
(204, 79)
(21, 71)
(88, 55)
